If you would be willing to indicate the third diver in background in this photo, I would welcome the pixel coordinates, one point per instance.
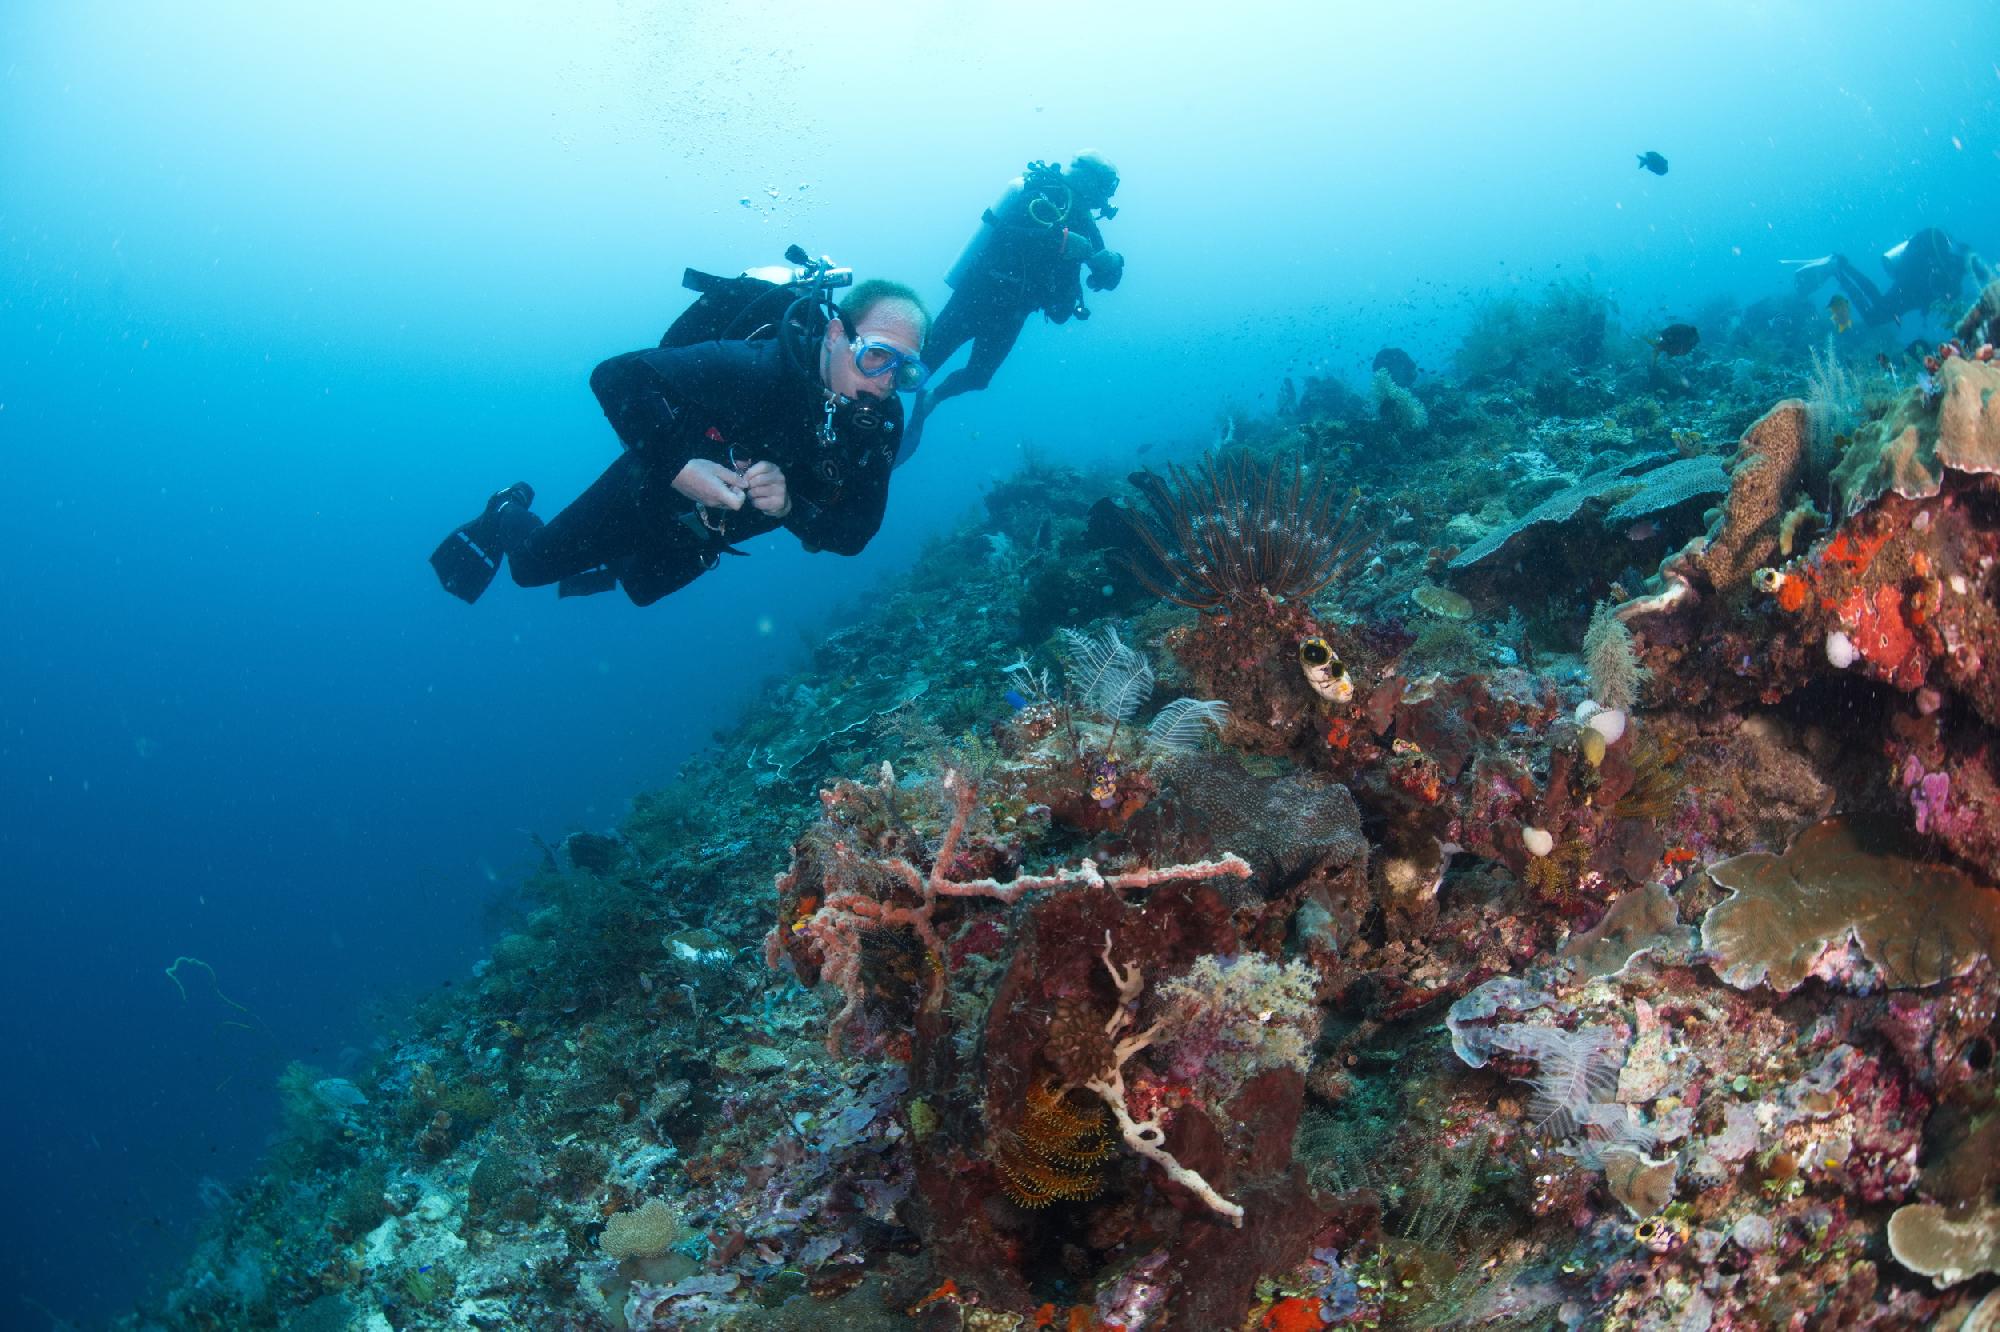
(1925, 270)
(1026, 256)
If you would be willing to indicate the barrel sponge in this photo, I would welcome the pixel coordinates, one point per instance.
(643, 1232)
(1917, 923)
(1946, 1247)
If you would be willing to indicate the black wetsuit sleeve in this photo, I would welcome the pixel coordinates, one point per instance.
(849, 522)
(644, 409)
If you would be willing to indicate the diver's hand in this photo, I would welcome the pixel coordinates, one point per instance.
(1107, 268)
(766, 486)
(710, 483)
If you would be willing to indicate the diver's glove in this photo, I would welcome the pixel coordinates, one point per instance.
(1107, 268)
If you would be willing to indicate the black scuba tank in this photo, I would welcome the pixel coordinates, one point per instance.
(756, 302)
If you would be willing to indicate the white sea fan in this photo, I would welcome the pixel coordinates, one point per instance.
(1180, 725)
(1027, 681)
(1105, 675)
(1578, 1071)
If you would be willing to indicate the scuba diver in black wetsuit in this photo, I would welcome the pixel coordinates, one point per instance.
(1927, 268)
(1025, 257)
(724, 440)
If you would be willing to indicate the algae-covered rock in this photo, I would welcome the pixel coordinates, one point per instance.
(1790, 915)
(1908, 450)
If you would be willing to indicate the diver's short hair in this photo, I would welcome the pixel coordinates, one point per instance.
(867, 295)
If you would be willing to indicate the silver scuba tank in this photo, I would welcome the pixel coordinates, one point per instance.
(1010, 207)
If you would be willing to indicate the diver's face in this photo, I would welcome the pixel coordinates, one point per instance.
(1092, 189)
(887, 322)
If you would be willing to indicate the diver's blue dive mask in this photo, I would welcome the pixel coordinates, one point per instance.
(874, 358)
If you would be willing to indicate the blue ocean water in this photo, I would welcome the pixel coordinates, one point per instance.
(284, 292)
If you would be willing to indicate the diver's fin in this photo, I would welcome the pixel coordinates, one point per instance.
(465, 564)
(588, 583)
(1809, 273)
(466, 560)
(913, 428)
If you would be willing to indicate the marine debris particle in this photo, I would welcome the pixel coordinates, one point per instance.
(1790, 915)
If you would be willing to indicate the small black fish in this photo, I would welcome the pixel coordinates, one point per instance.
(1675, 340)
(1654, 163)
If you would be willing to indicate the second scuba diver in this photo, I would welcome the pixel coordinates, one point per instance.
(1026, 256)
(1925, 270)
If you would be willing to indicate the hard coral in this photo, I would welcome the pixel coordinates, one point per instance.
(1946, 1247)
(1790, 915)
(1909, 451)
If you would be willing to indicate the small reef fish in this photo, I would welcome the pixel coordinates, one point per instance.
(1643, 530)
(1675, 340)
(1842, 314)
(1654, 163)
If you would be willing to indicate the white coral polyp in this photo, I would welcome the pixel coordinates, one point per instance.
(1609, 723)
